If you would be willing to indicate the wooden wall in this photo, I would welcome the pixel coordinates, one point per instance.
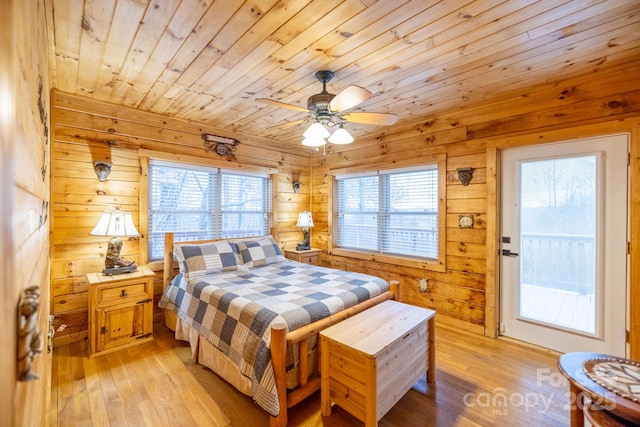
(24, 200)
(465, 295)
(85, 131)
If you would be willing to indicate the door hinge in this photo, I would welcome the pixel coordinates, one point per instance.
(627, 337)
(628, 159)
(628, 248)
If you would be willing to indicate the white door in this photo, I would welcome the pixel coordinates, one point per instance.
(563, 263)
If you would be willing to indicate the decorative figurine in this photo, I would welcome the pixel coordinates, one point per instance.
(29, 339)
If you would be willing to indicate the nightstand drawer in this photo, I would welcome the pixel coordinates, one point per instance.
(310, 256)
(122, 293)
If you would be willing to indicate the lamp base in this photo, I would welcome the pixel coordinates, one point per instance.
(119, 270)
(113, 262)
(305, 245)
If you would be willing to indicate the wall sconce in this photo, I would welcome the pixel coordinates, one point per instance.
(305, 222)
(465, 175)
(103, 169)
(296, 187)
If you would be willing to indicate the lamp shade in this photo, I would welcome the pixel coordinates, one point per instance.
(316, 130)
(304, 219)
(115, 224)
(341, 136)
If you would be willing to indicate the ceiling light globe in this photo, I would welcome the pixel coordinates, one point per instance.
(341, 136)
(316, 130)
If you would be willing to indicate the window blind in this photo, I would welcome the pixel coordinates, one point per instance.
(198, 203)
(392, 212)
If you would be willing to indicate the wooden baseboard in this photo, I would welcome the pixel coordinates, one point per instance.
(68, 339)
(458, 325)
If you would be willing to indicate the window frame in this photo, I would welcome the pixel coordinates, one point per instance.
(146, 155)
(439, 264)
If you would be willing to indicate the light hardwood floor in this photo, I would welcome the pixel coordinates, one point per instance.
(479, 382)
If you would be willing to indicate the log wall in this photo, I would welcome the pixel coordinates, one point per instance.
(24, 202)
(464, 295)
(85, 131)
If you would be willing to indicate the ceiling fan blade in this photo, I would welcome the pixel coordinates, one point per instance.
(350, 97)
(381, 119)
(287, 124)
(281, 104)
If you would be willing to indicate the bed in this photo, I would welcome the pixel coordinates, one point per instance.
(252, 316)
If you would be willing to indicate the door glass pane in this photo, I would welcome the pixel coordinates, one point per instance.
(558, 242)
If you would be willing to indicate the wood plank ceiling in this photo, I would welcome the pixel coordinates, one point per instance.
(208, 61)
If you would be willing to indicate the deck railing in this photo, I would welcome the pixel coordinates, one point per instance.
(558, 261)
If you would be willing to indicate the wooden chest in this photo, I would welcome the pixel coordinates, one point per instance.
(369, 361)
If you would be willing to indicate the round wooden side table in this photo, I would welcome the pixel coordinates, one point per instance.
(613, 409)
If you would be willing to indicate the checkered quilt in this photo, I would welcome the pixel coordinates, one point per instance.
(234, 310)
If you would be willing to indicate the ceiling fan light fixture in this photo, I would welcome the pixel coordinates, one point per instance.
(311, 141)
(341, 136)
(316, 130)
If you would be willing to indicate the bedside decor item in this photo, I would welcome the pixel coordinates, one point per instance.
(465, 175)
(102, 169)
(116, 224)
(305, 222)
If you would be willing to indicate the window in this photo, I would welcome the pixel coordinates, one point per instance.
(197, 203)
(393, 212)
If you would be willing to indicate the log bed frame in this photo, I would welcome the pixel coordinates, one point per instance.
(281, 338)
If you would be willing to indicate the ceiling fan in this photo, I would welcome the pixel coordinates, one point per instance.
(328, 110)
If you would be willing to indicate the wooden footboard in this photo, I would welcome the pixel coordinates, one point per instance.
(281, 339)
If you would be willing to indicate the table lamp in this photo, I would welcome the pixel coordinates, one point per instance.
(304, 221)
(116, 224)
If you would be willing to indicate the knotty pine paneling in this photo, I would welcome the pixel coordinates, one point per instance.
(465, 294)
(85, 131)
(25, 204)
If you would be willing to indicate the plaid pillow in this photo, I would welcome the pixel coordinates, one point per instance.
(261, 251)
(200, 260)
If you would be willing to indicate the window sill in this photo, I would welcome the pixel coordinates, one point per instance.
(432, 265)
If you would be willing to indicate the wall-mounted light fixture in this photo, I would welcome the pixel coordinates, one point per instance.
(465, 175)
(296, 187)
(103, 169)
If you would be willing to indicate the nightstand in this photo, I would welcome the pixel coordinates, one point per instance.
(311, 256)
(120, 310)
